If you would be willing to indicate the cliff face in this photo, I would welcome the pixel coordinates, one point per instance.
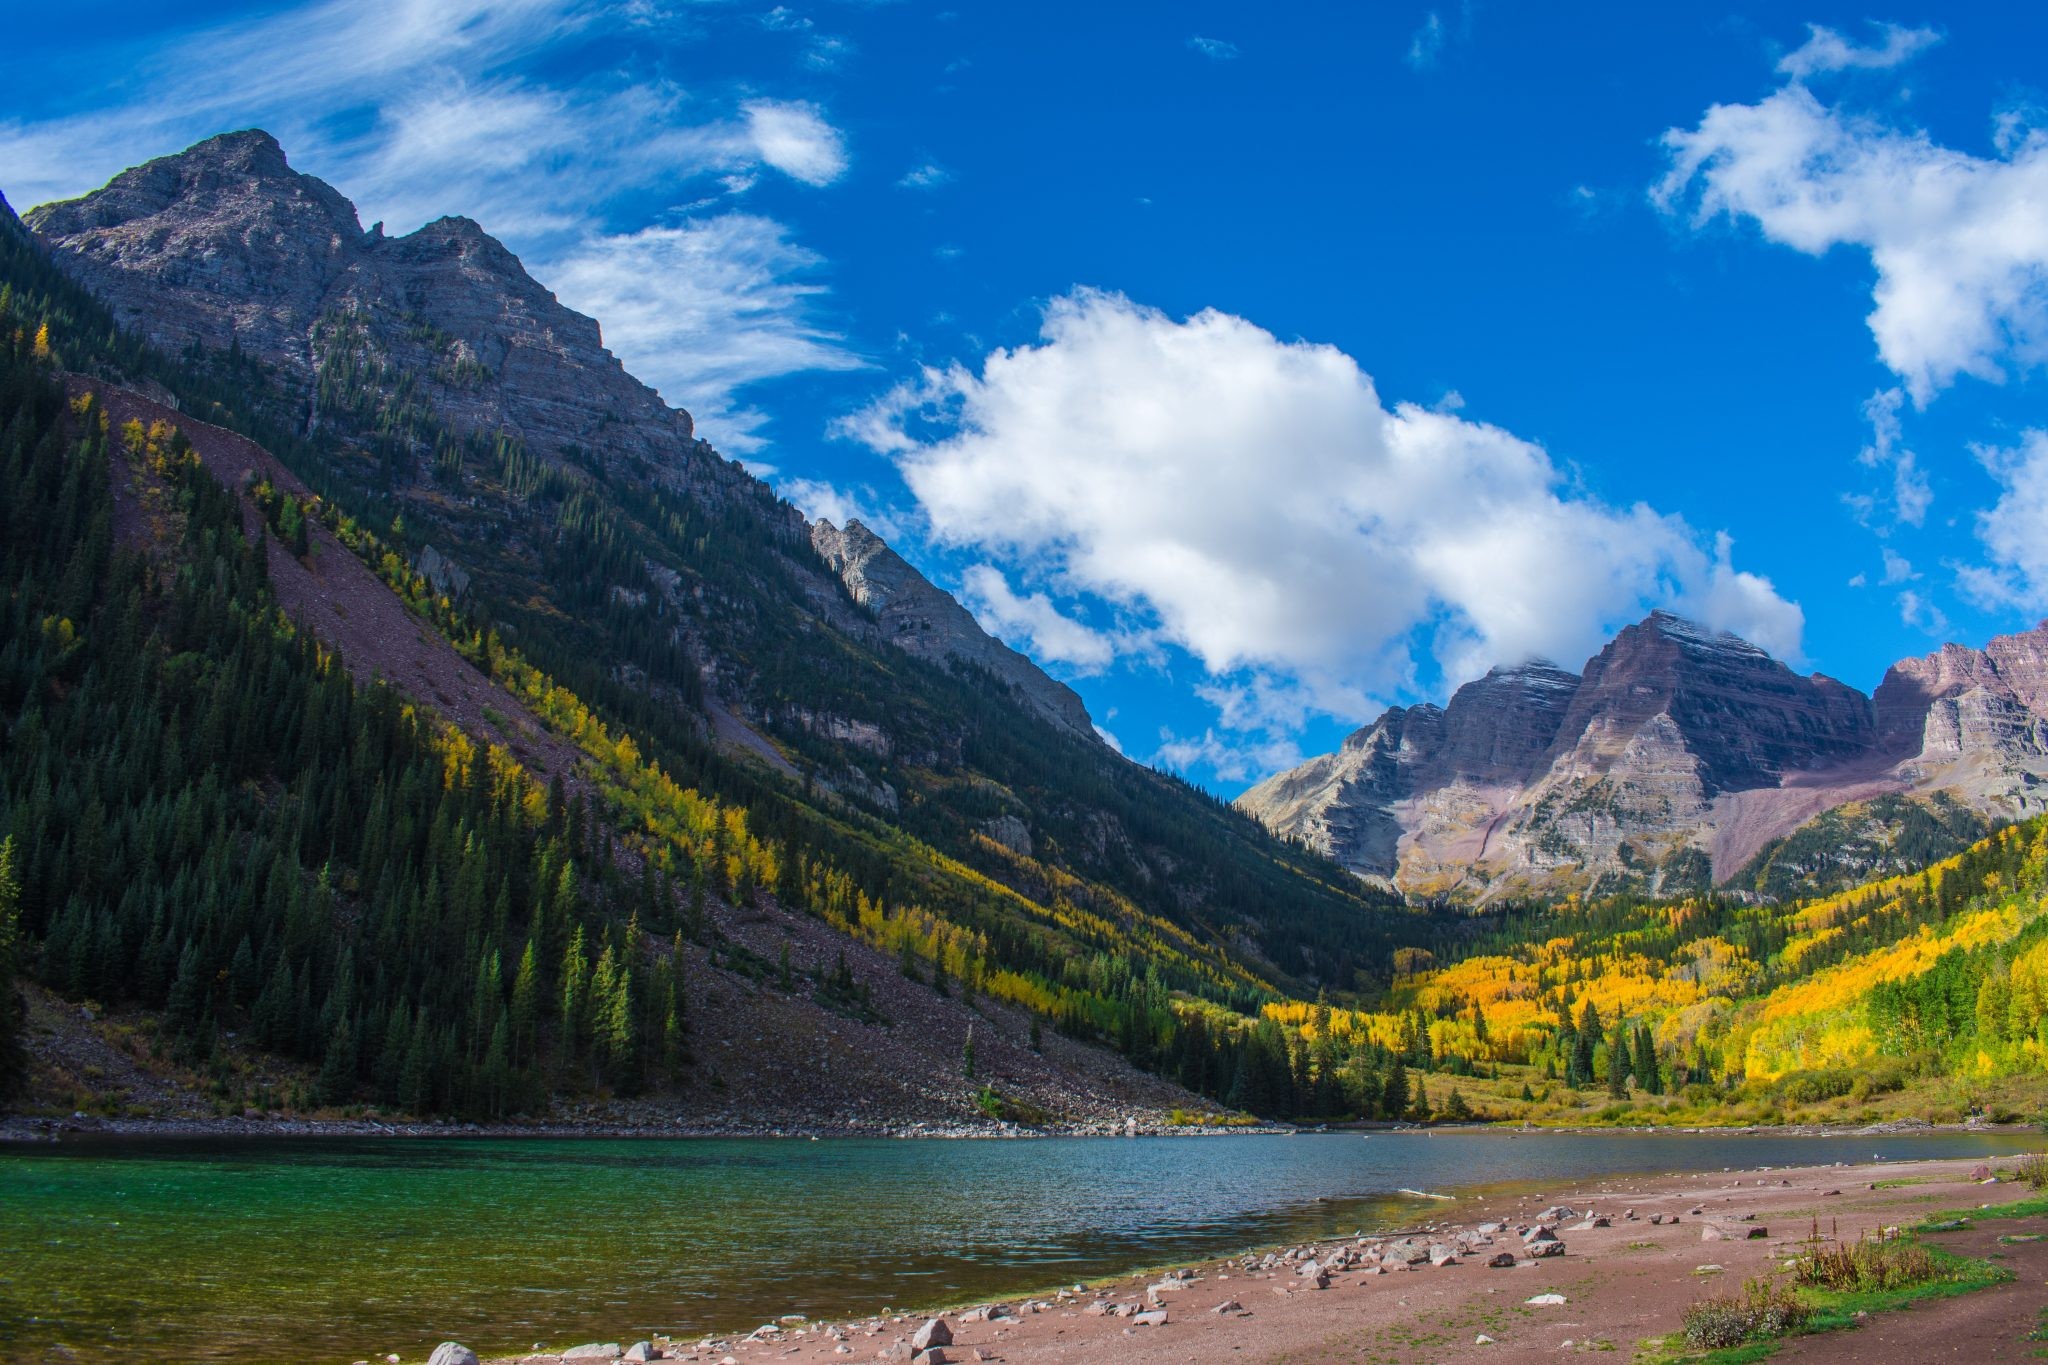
(922, 620)
(226, 246)
(1676, 758)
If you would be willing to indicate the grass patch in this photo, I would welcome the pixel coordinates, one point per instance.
(1836, 1287)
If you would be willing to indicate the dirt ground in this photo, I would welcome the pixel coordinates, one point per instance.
(1620, 1284)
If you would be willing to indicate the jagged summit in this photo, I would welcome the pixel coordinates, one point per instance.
(1677, 755)
(226, 244)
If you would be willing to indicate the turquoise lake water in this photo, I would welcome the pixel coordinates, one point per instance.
(246, 1250)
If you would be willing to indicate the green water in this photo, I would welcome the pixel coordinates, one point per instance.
(250, 1251)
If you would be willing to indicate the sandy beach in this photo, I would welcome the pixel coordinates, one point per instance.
(1636, 1252)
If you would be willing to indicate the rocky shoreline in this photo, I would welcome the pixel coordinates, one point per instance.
(1596, 1267)
(27, 1128)
(88, 1126)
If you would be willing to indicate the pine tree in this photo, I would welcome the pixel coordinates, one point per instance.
(1394, 1090)
(525, 1007)
(1648, 1075)
(1619, 1064)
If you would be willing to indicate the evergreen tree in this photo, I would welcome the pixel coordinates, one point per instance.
(1394, 1090)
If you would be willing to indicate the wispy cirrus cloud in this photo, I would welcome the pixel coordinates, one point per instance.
(1826, 50)
(712, 306)
(419, 108)
(2011, 530)
(1215, 49)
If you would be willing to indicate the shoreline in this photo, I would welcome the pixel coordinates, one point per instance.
(1636, 1251)
(24, 1129)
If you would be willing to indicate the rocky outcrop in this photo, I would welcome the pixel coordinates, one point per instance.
(920, 619)
(225, 246)
(1678, 755)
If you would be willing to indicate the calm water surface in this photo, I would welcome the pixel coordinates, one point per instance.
(248, 1250)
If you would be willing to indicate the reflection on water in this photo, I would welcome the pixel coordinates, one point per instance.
(242, 1249)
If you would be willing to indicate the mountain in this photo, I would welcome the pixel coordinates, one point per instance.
(727, 738)
(275, 264)
(1680, 758)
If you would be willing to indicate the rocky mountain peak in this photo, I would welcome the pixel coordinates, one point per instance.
(226, 244)
(1681, 751)
(1746, 716)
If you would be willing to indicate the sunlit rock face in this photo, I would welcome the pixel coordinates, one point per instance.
(226, 247)
(1676, 756)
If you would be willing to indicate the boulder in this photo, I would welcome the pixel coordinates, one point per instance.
(1155, 1318)
(640, 1352)
(1407, 1251)
(594, 1350)
(452, 1353)
(1503, 1261)
(935, 1356)
(1553, 1247)
(933, 1333)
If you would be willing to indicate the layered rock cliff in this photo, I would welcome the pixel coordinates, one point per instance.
(225, 247)
(1674, 759)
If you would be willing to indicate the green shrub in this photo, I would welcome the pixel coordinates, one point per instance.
(1763, 1310)
(1871, 1264)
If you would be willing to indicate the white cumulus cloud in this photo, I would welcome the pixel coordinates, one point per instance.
(1255, 502)
(1959, 242)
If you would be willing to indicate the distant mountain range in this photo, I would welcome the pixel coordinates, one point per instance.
(1680, 758)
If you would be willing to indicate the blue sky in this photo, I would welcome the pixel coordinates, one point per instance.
(1253, 367)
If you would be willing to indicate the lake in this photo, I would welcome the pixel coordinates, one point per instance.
(244, 1249)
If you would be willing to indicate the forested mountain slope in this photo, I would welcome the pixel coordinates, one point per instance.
(638, 740)
(1924, 994)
